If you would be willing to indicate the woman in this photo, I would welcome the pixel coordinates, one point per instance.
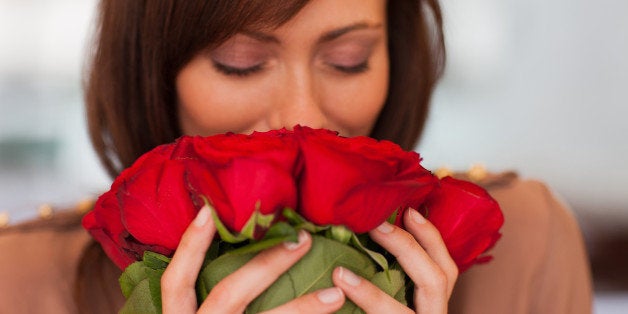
(167, 68)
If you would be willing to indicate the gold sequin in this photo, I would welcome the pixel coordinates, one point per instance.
(4, 220)
(477, 173)
(443, 172)
(85, 205)
(45, 211)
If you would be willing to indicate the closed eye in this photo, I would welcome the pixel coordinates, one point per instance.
(353, 69)
(235, 71)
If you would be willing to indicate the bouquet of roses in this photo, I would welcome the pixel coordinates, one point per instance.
(263, 189)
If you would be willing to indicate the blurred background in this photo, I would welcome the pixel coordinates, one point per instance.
(540, 87)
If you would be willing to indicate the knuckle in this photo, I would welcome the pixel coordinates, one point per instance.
(222, 291)
(265, 259)
(302, 305)
(436, 283)
(426, 230)
(168, 279)
(404, 244)
(453, 272)
(430, 232)
(222, 294)
(377, 301)
(170, 287)
(450, 268)
(439, 281)
(379, 297)
(174, 287)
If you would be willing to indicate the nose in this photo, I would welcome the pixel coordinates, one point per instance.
(300, 102)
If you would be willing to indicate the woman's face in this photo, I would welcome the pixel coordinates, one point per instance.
(327, 67)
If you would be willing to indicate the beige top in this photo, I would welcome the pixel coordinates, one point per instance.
(539, 266)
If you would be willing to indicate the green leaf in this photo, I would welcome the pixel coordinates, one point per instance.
(264, 221)
(282, 229)
(213, 251)
(377, 257)
(278, 233)
(224, 233)
(312, 228)
(311, 273)
(256, 219)
(314, 272)
(139, 301)
(141, 284)
(393, 283)
(154, 285)
(218, 269)
(293, 217)
(131, 277)
(155, 260)
(393, 216)
(301, 223)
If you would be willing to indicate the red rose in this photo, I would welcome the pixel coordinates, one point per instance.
(468, 219)
(106, 227)
(357, 182)
(152, 202)
(240, 171)
(147, 208)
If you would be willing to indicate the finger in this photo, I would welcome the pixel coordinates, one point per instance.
(237, 290)
(366, 295)
(179, 279)
(327, 300)
(431, 240)
(430, 280)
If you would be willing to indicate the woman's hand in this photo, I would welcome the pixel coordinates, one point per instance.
(422, 254)
(420, 251)
(237, 290)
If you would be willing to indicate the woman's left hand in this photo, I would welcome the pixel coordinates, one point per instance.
(422, 253)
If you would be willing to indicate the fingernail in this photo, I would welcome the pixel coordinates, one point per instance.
(385, 227)
(349, 277)
(202, 217)
(329, 295)
(295, 245)
(416, 216)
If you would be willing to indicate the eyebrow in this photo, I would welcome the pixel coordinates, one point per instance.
(331, 35)
(326, 37)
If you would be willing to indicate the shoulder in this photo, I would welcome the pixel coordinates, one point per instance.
(539, 264)
(526, 203)
(38, 261)
(534, 215)
(44, 232)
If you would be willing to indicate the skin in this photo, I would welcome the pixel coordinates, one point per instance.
(327, 67)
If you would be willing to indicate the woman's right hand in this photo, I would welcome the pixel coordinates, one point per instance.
(236, 291)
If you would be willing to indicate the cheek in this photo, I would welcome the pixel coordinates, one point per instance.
(208, 104)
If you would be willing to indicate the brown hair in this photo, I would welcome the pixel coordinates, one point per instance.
(141, 45)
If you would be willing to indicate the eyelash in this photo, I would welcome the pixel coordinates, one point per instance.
(232, 71)
(227, 70)
(354, 69)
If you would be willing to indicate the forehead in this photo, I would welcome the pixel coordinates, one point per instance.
(329, 16)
